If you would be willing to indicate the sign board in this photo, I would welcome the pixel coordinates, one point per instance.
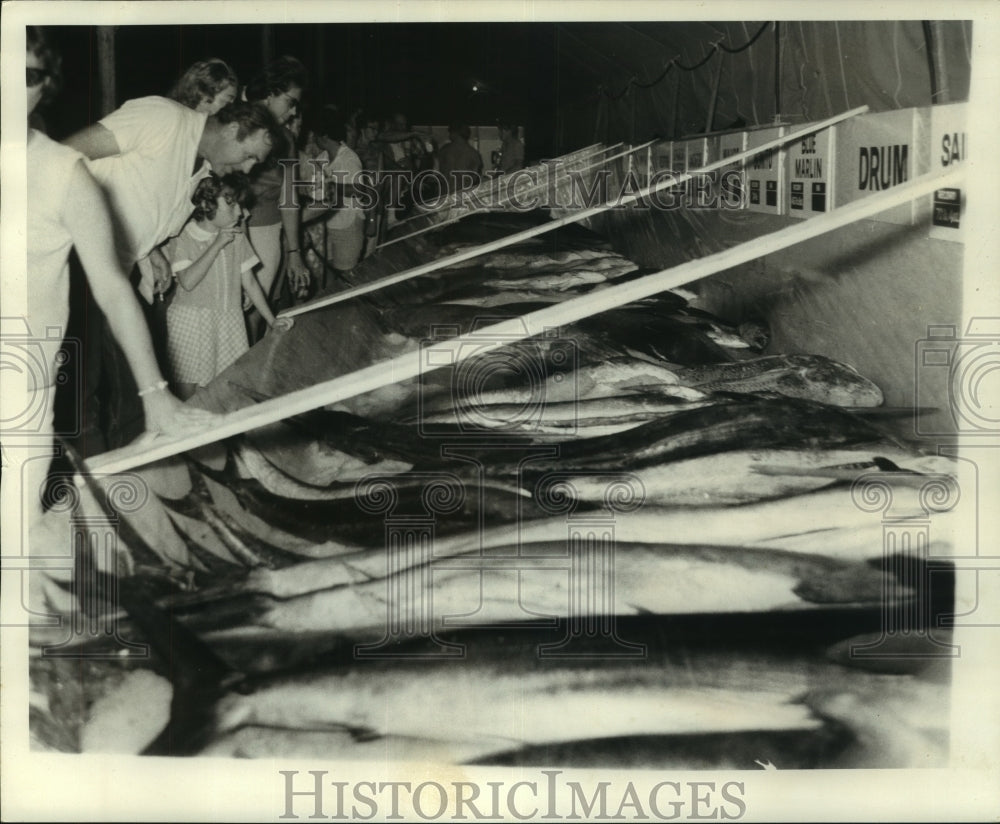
(678, 156)
(700, 191)
(661, 153)
(765, 173)
(732, 193)
(809, 171)
(948, 146)
(876, 152)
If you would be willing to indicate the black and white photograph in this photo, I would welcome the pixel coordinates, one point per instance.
(465, 411)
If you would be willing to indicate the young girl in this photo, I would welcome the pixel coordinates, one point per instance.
(211, 260)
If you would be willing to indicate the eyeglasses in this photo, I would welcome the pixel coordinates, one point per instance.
(293, 102)
(36, 76)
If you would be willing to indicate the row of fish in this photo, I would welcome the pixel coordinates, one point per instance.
(400, 585)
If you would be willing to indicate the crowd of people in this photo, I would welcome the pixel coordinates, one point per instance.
(190, 213)
(206, 207)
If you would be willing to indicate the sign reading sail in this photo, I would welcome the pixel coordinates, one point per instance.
(948, 146)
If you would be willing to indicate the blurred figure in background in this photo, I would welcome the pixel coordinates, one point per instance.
(345, 226)
(368, 148)
(278, 88)
(511, 150)
(459, 163)
(206, 86)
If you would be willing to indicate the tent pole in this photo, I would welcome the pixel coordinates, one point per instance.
(468, 254)
(320, 62)
(106, 68)
(449, 352)
(677, 97)
(777, 71)
(710, 119)
(267, 43)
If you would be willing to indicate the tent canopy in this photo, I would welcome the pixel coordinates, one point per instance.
(636, 81)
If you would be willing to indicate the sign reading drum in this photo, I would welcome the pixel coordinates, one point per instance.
(876, 152)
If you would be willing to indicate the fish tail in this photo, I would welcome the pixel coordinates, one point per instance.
(194, 669)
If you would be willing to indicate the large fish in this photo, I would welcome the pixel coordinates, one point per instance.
(498, 695)
(742, 476)
(584, 417)
(812, 377)
(661, 330)
(828, 523)
(533, 259)
(608, 378)
(735, 424)
(534, 582)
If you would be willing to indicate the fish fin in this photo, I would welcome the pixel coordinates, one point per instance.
(885, 465)
(640, 610)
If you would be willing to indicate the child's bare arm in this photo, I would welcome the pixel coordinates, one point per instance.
(256, 294)
(195, 273)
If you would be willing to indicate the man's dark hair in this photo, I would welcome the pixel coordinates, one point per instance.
(251, 117)
(460, 129)
(235, 186)
(277, 77)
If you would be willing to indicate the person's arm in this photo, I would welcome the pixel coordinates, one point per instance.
(162, 274)
(291, 223)
(256, 294)
(194, 274)
(94, 142)
(334, 200)
(86, 217)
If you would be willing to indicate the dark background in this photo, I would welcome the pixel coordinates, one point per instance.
(425, 70)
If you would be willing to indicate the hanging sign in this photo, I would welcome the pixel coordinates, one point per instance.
(678, 157)
(699, 189)
(662, 153)
(765, 173)
(732, 189)
(809, 170)
(948, 146)
(876, 152)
